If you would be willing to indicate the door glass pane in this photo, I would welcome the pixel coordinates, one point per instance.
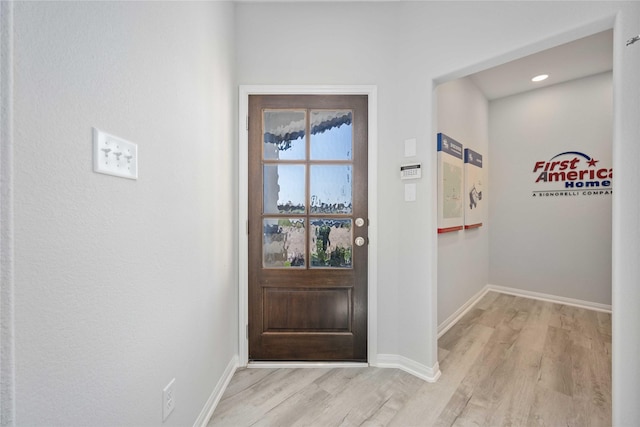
(284, 135)
(330, 244)
(331, 135)
(331, 189)
(284, 189)
(283, 242)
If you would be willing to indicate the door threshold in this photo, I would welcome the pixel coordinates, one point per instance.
(293, 365)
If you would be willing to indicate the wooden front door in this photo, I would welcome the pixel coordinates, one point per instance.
(308, 228)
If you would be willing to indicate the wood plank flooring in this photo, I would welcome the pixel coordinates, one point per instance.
(510, 361)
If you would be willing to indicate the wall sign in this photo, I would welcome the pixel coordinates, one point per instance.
(474, 186)
(450, 184)
(571, 173)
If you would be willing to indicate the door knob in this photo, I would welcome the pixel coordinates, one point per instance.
(360, 241)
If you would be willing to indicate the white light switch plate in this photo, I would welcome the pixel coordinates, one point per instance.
(114, 156)
(409, 192)
(410, 147)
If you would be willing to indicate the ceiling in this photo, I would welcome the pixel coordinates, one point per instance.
(581, 58)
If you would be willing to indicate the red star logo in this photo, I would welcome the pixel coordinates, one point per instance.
(593, 162)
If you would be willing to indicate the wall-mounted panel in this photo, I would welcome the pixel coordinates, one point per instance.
(474, 187)
(450, 184)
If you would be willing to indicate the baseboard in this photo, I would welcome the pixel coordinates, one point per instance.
(216, 394)
(429, 374)
(551, 298)
(457, 315)
(298, 365)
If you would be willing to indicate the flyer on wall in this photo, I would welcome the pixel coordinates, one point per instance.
(473, 189)
(450, 184)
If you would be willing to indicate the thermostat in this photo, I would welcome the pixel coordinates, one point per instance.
(410, 171)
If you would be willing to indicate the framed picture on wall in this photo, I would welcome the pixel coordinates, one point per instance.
(450, 184)
(474, 185)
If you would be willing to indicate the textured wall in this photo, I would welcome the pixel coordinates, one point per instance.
(554, 245)
(123, 285)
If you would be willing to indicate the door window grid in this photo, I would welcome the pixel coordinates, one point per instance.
(325, 216)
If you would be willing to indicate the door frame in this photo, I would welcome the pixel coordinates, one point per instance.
(243, 210)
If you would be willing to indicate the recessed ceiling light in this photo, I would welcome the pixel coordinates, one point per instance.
(540, 78)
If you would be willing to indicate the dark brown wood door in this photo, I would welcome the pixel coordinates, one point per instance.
(308, 228)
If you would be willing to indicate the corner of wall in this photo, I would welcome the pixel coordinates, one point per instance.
(216, 394)
(450, 321)
(428, 373)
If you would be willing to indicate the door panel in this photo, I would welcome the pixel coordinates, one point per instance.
(307, 186)
(320, 310)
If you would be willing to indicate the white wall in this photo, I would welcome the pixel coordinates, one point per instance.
(122, 285)
(463, 256)
(558, 245)
(403, 48)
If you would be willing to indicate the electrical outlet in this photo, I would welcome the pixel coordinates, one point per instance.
(168, 399)
(114, 156)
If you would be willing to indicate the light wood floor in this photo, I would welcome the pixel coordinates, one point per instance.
(510, 361)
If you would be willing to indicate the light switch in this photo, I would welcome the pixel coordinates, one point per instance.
(410, 147)
(409, 192)
(114, 156)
